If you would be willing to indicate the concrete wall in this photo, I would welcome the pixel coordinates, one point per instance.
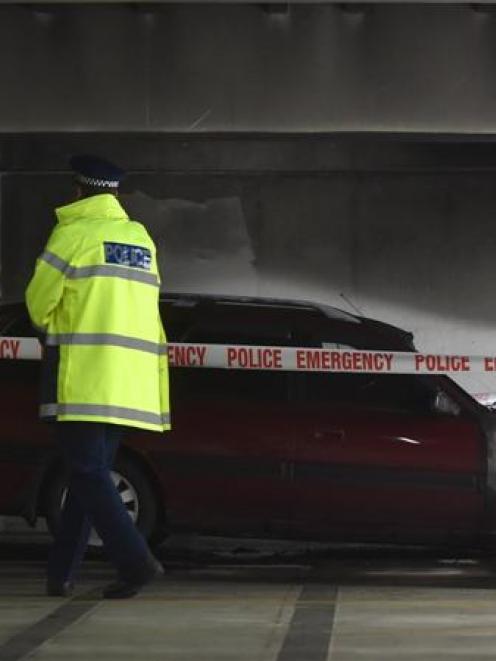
(225, 67)
(405, 230)
(416, 250)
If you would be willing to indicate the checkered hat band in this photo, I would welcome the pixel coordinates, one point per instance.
(98, 183)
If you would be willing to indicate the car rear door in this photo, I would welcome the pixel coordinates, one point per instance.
(24, 442)
(372, 459)
(224, 464)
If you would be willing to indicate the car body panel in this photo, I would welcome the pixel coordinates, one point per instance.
(378, 470)
(281, 453)
(226, 476)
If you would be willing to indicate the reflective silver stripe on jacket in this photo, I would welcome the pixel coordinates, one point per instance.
(54, 261)
(75, 272)
(106, 339)
(102, 410)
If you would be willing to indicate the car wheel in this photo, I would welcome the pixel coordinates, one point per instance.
(133, 487)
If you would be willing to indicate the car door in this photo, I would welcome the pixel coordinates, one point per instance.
(25, 443)
(372, 458)
(224, 463)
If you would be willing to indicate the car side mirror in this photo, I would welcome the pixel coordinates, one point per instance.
(444, 405)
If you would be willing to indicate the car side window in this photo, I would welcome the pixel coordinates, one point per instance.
(397, 392)
(239, 335)
(19, 326)
(228, 385)
(231, 385)
(386, 392)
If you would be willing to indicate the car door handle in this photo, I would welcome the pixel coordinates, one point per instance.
(329, 435)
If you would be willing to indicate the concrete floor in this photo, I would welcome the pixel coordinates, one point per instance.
(320, 606)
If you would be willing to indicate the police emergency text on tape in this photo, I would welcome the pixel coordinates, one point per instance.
(289, 358)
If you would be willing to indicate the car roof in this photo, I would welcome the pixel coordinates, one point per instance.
(308, 316)
(302, 314)
(190, 300)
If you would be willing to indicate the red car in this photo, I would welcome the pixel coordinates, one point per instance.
(366, 457)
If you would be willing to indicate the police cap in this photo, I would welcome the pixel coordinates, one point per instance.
(96, 172)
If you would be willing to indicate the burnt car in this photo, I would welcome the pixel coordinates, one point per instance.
(330, 456)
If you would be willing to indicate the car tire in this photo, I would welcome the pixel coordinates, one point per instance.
(133, 485)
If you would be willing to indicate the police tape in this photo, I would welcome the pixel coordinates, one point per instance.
(307, 359)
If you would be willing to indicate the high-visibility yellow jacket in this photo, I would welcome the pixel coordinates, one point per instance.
(94, 295)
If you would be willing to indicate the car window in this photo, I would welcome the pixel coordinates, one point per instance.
(228, 385)
(387, 392)
(268, 336)
(234, 385)
(397, 392)
(18, 325)
(5, 320)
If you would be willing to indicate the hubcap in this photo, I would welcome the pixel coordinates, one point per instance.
(129, 497)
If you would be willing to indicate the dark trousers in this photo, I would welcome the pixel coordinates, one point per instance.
(88, 449)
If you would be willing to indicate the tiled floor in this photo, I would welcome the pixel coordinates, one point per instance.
(334, 609)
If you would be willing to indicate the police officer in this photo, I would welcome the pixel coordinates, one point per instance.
(94, 297)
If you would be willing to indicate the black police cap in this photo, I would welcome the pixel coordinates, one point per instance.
(96, 172)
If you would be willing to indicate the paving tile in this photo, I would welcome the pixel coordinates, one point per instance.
(182, 622)
(413, 624)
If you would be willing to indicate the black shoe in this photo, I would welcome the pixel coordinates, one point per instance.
(59, 589)
(124, 589)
